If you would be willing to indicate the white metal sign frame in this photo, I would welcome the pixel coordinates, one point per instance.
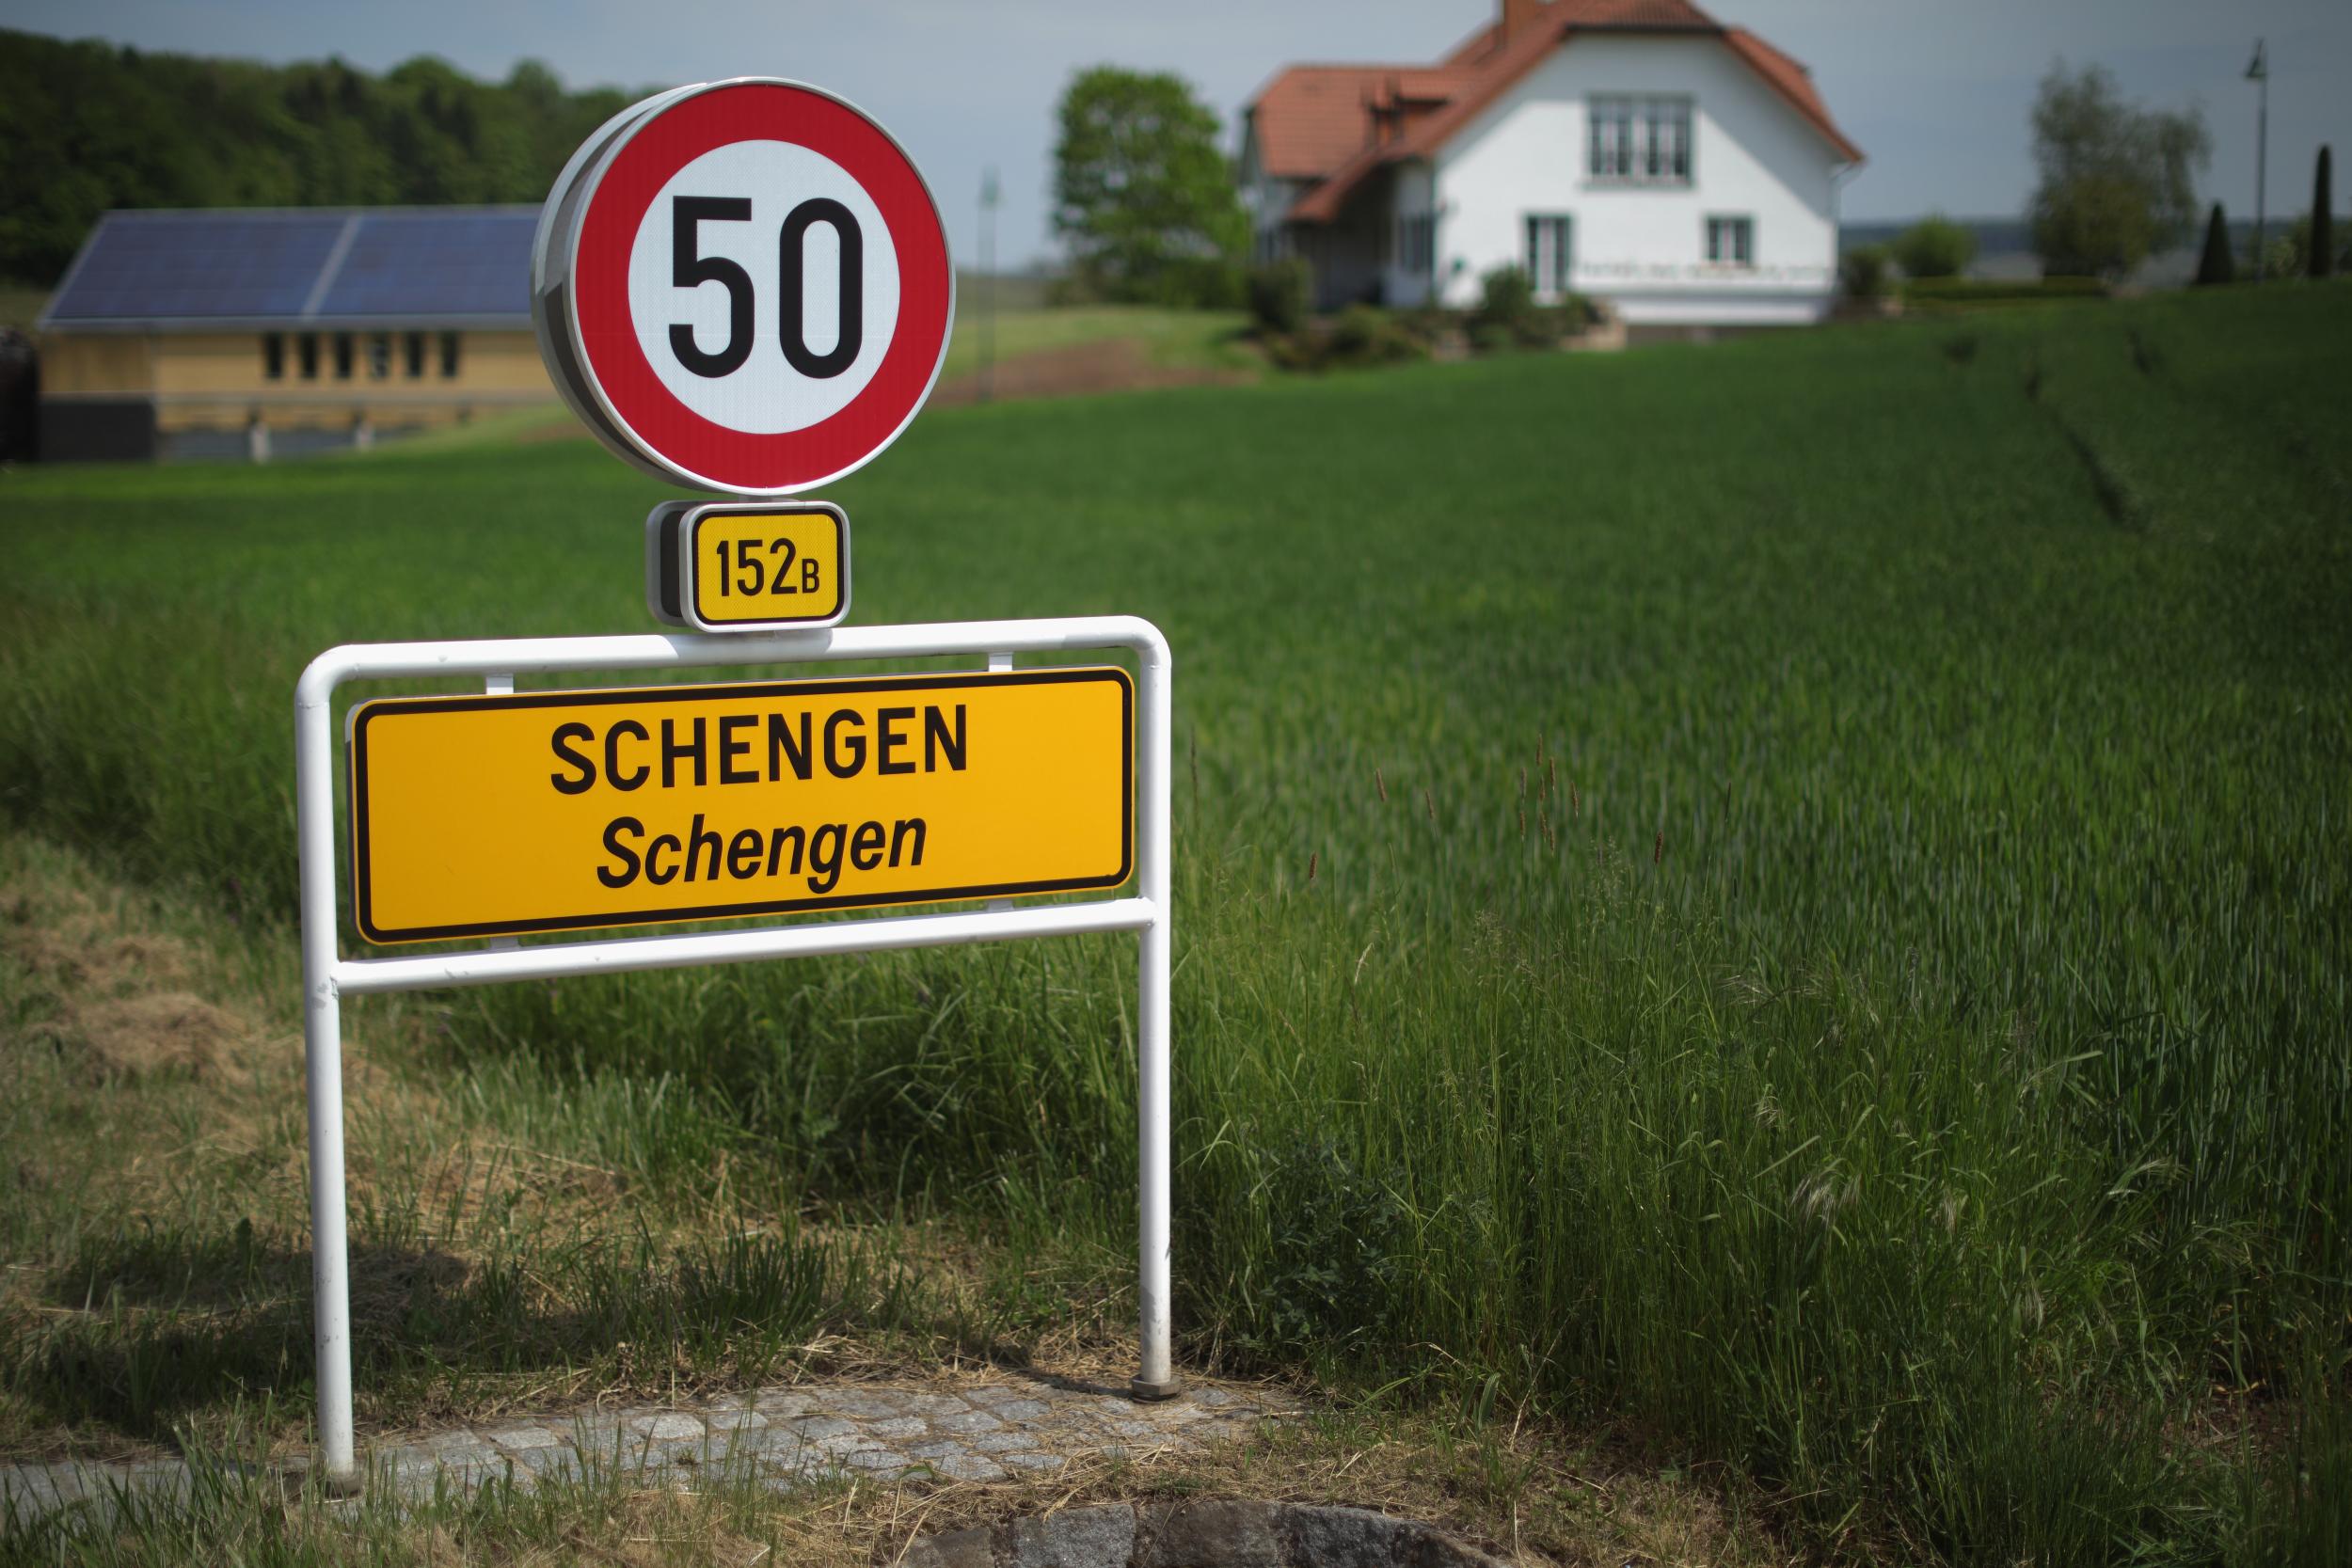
(328, 977)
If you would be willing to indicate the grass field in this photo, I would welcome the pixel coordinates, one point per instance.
(1178, 340)
(1788, 901)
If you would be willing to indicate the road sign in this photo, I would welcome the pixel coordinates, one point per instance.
(748, 567)
(498, 815)
(743, 285)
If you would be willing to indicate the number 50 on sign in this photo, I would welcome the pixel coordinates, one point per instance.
(744, 286)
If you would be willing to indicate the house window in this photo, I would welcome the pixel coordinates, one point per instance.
(1548, 255)
(416, 356)
(308, 349)
(1644, 140)
(343, 355)
(1611, 138)
(379, 356)
(1417, 244)
(274, 356)
(1731, 240)
(449, 356)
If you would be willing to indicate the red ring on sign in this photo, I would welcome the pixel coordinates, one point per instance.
(615, 361)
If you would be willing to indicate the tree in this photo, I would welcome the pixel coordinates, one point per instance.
(2217, 265)
(1935, 246)
(2117, 182)
(1861, 272)
(2323, 246)
(1141, 193)
(88, 126)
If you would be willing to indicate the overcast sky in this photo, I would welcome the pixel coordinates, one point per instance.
(1935, 91)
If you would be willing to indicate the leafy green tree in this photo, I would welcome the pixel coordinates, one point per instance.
(88, 126)
(1143, 194)
(2117, 182)
(2217, 265)
(1935, 246)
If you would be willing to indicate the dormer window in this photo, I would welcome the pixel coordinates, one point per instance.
(1638, 141)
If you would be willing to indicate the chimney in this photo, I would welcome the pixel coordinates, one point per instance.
(1518, 16)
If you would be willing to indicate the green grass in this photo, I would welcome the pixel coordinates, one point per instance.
(1793, 893)
(1171, 339)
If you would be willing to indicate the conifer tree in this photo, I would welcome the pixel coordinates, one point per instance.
(2217, 265)
(2323, 246)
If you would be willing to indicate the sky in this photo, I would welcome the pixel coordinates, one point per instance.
(1936, 92)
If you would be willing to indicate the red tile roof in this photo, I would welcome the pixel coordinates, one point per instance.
(1313, 117)
(1335, 124)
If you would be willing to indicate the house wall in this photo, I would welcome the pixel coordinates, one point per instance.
(1266, 199)
(1415, 196)
(205, 381)
(1643, 248)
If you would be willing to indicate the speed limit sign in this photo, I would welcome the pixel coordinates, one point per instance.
(743, 285)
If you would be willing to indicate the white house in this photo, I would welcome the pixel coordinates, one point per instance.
(1636, 151)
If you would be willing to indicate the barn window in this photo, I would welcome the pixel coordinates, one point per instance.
(449, 356)
(416, 356)
(379, 356)
(343, 355)
(274, 356)
(307, 347)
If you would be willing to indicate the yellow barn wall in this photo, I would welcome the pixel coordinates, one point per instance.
(123, 366)
(218, 381)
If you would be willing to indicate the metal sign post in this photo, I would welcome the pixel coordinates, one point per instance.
(328, 977)
(744, 286)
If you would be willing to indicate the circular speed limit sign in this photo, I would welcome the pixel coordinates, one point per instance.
(743, 285)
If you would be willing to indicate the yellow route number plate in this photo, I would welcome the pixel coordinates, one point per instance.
(512, 813)
(754, 567)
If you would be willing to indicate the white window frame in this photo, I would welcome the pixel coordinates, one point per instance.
(1742, 226)
(1561, 227)
(1625, 132)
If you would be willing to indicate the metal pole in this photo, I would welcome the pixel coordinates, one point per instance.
(2261, 73)
(327, 977)
(1156, 1380)
(323, 1064)
(988, 282)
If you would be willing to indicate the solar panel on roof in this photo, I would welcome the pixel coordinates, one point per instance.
(193, 265)
(436, 264)
(232, 265)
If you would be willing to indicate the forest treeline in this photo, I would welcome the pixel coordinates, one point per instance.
(88, 126)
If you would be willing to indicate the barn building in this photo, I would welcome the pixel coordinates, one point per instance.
(1635, 151)
(244, 332)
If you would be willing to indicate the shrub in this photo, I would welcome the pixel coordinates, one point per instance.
(1282, 294)
(2217, 265)
(1486, 337)
(1508, 316)
(1507, 299)
(1960, 293)
(1861, 272)
(1366, 335)
(1935, 246)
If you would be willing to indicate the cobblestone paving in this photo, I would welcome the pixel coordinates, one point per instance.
(786, 1436)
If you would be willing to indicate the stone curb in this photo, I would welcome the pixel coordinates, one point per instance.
(1224, 1534)
(782, 1437)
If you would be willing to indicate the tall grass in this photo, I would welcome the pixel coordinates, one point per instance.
(1792, 894)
